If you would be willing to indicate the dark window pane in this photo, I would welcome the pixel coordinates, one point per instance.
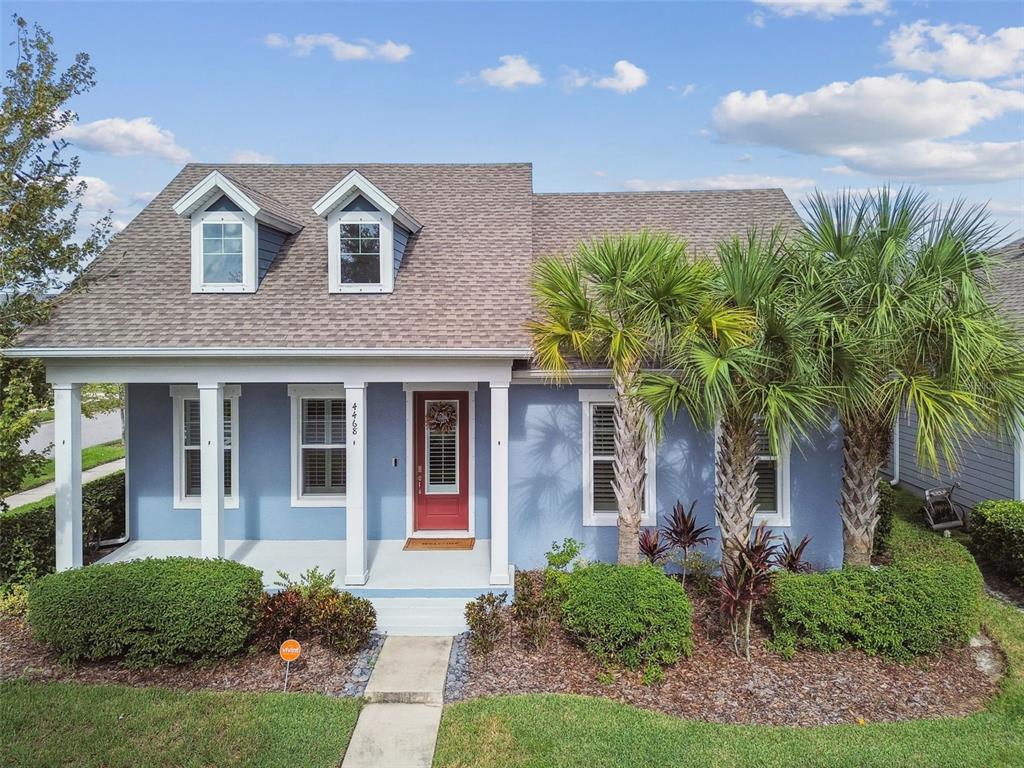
(369, 230)
(193, 473)
(350, 230)
(603, 423)
(360, 269)
(314, 422)
(191, 418)
(336, 435)
(349, 246)
(604, 492)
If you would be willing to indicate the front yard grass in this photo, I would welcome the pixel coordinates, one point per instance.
(555, 731)
(93, 456)
(70, 724)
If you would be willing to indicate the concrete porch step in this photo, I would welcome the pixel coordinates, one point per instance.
(427, 616)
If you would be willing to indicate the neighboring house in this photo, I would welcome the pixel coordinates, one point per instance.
(989, 466)
(327, 364)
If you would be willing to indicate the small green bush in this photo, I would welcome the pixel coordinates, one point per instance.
(534, 609)
(342, 620)
(27, 534)
(146, 612)
(997, 532)
(485, 618)
(634, 614)
(927, 599)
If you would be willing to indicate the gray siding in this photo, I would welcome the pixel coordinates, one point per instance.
(268, 243)
(984, 469)
(401, 240)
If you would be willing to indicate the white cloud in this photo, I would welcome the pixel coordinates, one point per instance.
(757, 19)
(250, 156)
(824, 9)
(840, 170)
(573, 78)
(627, 78)
(600, 174)
(793, 185)
(118, 136)
(1013, 83)
(684, 90)
(957, 50)
(340, 50)
(744, 158)
(99, 195)
(884, 125)
(513, 72)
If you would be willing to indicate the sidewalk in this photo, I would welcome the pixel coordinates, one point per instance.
(398, 726)
(48, 489)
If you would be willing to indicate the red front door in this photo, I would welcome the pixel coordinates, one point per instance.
(441, 461)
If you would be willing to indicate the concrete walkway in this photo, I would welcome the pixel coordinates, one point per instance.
(48, 489)
(398, 726)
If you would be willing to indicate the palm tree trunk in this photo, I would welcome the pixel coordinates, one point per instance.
(735, 483)
(866, 440)
(630, 466)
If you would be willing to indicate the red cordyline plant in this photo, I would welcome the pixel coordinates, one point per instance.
(652, 546)
(791, 558)
(681, 530)
(746, 584)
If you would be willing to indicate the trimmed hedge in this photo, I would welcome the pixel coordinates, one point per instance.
(927, 599)
(632, 613)
(146, 612)
(27, 534)
(997, 532)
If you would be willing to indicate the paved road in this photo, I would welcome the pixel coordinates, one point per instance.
(99, 429)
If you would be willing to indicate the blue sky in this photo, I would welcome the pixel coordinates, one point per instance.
(792, 93)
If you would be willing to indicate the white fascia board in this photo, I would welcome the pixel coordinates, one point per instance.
(204, 192)
(195, 197)
(355, 182)
(165, 352)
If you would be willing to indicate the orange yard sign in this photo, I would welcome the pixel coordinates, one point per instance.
(290, 650)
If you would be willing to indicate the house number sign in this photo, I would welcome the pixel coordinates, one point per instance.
(355, 419)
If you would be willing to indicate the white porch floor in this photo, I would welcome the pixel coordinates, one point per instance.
(414, 592)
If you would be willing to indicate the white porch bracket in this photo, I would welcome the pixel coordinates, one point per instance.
(499, 483)
(67, 459)
(356, 571)
(211, 458)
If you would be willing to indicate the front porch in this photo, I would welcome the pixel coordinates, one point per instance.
(393, 572)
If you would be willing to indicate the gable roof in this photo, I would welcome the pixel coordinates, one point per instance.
(257, 204)
(463, 283)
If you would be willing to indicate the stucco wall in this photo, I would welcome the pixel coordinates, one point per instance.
(546, 470)
(545, 474)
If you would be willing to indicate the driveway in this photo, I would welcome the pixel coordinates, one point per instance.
(99, 429)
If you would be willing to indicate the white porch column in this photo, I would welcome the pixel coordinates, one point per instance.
(355, 484)
(67, 459)
(211, 437)
(499, 483)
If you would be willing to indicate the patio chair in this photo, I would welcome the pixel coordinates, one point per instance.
(941, 511)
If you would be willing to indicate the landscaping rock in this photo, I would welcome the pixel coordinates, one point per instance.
(458, 669)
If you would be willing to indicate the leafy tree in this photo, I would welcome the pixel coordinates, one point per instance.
(737, 383)
(615, 303)
(40, 201)
(908, 325)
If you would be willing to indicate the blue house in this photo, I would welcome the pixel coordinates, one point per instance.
(328, 365)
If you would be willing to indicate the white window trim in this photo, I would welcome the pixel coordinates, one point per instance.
(777, 518)
(297, 393)
(588, 397)
(386, 282)
(410, 523)
(179, 394)
(248, 222)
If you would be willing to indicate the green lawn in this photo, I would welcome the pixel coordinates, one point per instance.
(92, 456)
(74, 725)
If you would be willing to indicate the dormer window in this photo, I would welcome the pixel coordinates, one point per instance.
(228, 219)
(362, 226)
(358, 249)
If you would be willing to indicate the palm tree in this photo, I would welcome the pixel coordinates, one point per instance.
(615, 302)
(765, 378)
(907, 325)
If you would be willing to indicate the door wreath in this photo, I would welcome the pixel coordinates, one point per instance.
(442, 417)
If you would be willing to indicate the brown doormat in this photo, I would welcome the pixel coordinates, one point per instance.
(438, 544)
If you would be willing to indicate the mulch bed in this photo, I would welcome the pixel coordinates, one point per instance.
(319, 670)
(716, 686)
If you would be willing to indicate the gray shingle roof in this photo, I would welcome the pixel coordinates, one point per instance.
(1008, 279)
(463, 281)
